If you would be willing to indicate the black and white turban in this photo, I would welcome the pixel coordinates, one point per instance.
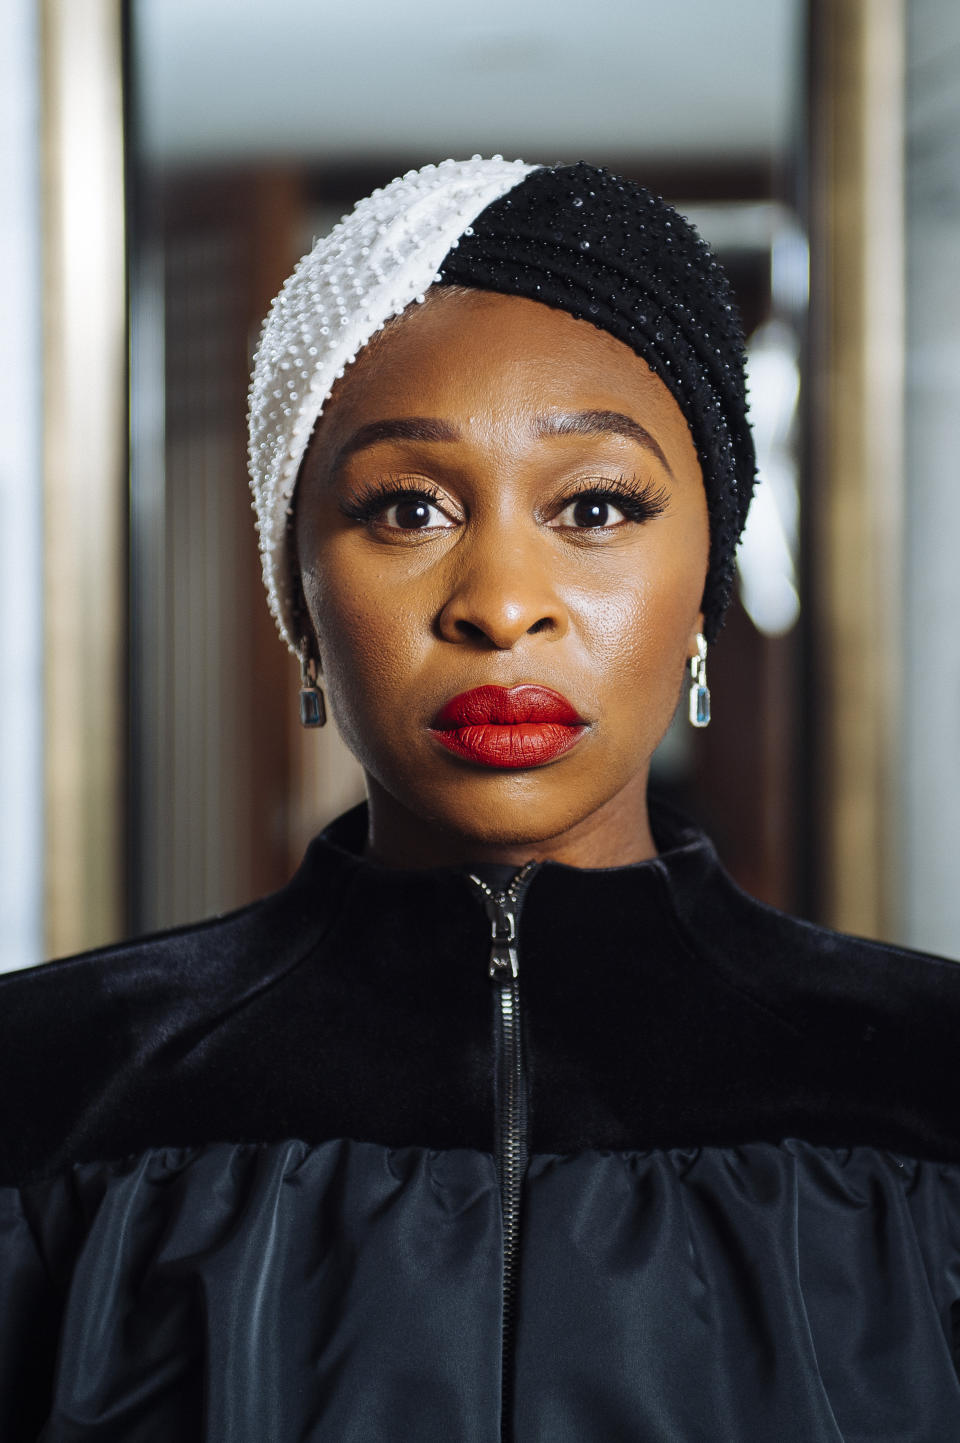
(574, 237)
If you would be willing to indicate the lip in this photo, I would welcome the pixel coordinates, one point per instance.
(508, 727)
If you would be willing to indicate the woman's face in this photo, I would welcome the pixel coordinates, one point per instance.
(498, 495)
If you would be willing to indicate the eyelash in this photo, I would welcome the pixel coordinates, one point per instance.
(377, 496)
(639, 500)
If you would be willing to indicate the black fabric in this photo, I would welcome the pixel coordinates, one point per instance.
(755, 1294)
(609, 251)
(758, 1026)
(663, 1007)
(247, 1188)
(349, 1293)
(247, 1294)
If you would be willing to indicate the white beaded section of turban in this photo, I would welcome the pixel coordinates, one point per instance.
(381, 257)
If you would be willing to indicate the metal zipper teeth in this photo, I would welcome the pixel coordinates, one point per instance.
(512, 1152)
(511, 1134)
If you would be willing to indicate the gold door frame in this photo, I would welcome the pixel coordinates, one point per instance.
(855, 411)
(84, 465)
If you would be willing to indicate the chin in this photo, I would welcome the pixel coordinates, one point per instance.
(507, 809)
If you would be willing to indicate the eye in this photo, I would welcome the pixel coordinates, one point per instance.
(398, 508)
(593, 511)
(611, 505)
(414, 512)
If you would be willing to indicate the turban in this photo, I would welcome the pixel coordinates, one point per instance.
(574, 237)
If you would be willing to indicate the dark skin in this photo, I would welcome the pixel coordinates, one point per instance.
(556, 534)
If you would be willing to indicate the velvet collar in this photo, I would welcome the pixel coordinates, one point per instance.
(662, 1007)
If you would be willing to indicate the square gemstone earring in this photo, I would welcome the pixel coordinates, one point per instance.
(699, 691)
(313, 711)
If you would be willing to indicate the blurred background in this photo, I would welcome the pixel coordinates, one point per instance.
(165, 162)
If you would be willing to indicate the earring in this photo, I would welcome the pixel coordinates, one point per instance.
(699, 691)
(313, 711)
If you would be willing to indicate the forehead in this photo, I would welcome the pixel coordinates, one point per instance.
(465, 353)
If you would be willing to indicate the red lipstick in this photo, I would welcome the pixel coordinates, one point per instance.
(523, 726)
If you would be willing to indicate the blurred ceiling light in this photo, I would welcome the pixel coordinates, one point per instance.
(766, 560)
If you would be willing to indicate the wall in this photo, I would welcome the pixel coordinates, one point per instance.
(930, 836)
(20, 491)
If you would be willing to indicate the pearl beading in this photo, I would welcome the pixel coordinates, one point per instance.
(379, 259)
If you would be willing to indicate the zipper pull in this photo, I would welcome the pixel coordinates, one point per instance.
(501, 909)
(504, 965)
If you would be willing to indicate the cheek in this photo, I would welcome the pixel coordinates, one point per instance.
(640, 625)
(366, 642)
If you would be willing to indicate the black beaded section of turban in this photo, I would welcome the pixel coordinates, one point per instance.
(608, 251)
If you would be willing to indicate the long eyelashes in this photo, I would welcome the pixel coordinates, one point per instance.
(375, 497)
(638, 499)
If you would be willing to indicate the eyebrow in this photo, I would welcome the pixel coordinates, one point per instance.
(566, 423)
(407, 428)
(599, 423)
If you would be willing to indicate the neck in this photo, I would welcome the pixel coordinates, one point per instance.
(614, 835)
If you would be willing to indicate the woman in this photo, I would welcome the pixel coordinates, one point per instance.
(510, 1116)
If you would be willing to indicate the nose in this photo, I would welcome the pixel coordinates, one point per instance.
(502, 593)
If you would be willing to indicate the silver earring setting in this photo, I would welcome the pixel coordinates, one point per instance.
(313, 710)
(699, 691)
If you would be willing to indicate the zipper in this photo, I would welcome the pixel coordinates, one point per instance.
(510, 1152)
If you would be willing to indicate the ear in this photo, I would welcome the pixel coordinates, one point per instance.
(300, 622)
(697, 630)
(315, 658)
(312, 650)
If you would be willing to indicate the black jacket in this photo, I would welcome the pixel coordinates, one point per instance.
(260, 1176)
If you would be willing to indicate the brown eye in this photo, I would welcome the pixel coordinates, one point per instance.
(413, 511)
(399, 508)
(591, 512)
(411, 515)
